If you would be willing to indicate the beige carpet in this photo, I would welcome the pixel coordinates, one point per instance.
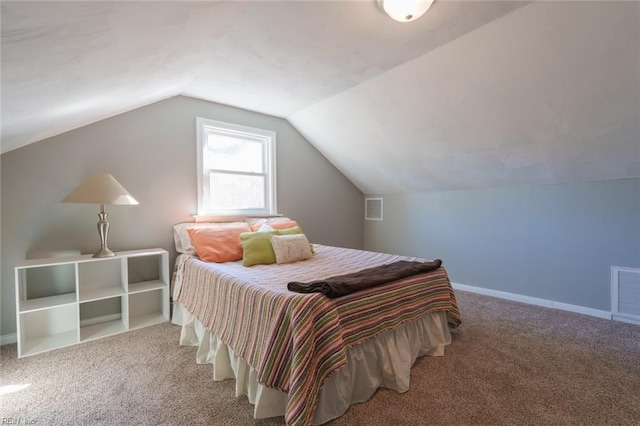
(509, 364)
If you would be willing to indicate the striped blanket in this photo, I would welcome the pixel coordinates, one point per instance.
(295, 341)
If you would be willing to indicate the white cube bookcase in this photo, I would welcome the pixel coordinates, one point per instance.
(63, 301)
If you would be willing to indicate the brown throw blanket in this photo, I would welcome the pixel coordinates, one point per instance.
(342, 285)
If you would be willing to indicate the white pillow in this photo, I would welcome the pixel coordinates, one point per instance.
(291, 248)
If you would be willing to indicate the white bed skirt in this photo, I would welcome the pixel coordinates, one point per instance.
(384, 361)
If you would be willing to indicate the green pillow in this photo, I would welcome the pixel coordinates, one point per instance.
(295, 230)
(257, 248)
(290, 231)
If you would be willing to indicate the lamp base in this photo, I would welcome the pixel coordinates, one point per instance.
(103, 230)
(104, 252)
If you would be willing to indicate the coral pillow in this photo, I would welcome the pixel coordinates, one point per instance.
(182, 238)
(219, 244)
(256, 223)
(284, 224)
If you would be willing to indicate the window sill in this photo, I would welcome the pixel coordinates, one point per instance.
(230, 218)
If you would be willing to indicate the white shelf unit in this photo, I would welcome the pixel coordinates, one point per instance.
(65, 301)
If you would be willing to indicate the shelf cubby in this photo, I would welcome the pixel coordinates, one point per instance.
(47, 329)
(148, 307)
(100, 279)
(104, 317)
(42, 287)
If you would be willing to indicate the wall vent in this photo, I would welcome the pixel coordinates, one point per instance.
(373, 208)
(625, 294)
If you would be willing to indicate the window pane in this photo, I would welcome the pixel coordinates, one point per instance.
(233, 192)
(234, 154)
(236, 169)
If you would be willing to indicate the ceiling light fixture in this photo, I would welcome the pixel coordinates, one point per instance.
(405, 10)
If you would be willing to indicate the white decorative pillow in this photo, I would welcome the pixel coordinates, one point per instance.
(291, 248)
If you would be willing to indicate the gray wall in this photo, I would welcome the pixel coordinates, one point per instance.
(151, 151)
(553, 242)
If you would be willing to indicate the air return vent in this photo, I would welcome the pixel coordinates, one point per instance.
(625, 294)
(373, 208)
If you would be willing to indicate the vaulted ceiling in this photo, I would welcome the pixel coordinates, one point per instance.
(473, 94)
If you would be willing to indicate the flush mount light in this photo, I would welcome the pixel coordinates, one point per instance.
(405, 10)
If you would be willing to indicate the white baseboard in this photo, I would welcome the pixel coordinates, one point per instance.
(6, 339)
(534, 301)
(626, 318)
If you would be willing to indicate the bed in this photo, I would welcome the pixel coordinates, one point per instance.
(308, 357)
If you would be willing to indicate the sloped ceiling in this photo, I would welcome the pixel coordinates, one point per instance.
(472, 94)
(548, 94)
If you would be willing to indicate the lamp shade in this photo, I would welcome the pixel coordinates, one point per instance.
(100, 189)
(405, 10)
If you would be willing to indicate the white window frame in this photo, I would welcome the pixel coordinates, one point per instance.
(204, 127)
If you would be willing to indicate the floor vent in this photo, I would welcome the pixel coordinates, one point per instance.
(625, 294)
(373, 208)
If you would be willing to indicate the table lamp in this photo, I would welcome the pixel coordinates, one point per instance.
(101, 189)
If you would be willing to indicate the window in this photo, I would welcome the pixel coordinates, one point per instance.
(236, 169)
